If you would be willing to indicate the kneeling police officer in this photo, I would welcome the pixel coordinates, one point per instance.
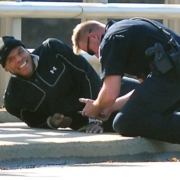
(147, 50)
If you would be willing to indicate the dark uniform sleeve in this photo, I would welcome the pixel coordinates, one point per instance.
(114, 53)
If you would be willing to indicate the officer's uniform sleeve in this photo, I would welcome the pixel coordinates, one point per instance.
(114, 54)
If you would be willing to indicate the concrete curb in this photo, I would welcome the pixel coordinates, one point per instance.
(18, 142)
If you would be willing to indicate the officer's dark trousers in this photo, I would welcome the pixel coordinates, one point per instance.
(150, 111)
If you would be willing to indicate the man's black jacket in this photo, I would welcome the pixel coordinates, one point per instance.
(60, 79)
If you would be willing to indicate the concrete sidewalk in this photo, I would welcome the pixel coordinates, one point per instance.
(5, 117)
(19, 142)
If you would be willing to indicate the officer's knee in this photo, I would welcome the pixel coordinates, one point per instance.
(122, 124)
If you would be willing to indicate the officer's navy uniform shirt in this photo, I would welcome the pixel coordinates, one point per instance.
(123, 46)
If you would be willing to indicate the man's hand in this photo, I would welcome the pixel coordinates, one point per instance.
(91, 128)
(90, 110)
(60, 121)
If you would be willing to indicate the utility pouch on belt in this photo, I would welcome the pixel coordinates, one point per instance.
(163, 61)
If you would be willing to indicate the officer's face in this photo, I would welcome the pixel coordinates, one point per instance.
(19, 62)
(90, 44)
(89, 51)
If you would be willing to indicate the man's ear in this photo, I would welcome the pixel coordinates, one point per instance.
(94, 35)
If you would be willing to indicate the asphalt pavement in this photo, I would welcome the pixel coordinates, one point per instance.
(19, 143)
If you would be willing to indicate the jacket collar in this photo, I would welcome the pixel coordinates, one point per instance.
(108, 25)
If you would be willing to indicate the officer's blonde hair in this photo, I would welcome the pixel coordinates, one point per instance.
(80, 31)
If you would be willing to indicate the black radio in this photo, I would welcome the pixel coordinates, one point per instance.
(165, 61)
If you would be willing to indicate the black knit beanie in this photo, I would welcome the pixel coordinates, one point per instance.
(7, 43)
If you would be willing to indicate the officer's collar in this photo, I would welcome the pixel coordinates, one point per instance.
(108, 25)
(35, 60)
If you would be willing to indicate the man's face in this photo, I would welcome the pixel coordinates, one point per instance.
(19, 62)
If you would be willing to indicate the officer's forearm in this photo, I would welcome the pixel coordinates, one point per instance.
(120, 102)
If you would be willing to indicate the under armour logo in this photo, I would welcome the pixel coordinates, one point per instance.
(54, 69)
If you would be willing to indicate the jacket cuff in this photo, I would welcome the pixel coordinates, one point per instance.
(49, 124)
